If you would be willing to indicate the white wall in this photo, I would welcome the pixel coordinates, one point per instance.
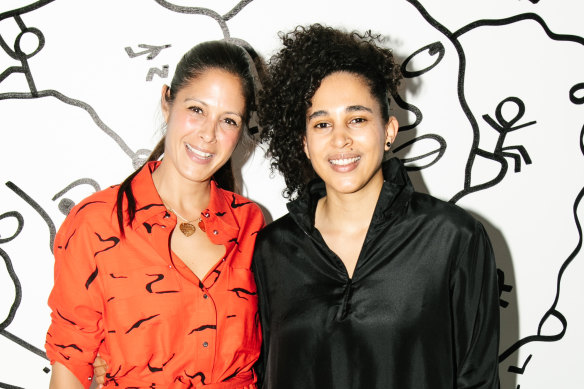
(88, 112)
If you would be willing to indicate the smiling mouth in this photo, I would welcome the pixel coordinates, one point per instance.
(199, 153)
(344, 161)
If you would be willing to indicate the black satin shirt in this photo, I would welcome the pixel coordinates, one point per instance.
(421, 310)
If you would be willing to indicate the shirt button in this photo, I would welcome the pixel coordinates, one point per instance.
(215, 232)
(205, 344)
(206, 214)
(205, 296)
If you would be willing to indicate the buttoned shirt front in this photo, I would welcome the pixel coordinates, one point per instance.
(153, 321)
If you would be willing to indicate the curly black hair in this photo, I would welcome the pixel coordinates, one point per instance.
(294, 74)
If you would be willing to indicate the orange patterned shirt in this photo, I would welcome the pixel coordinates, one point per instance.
(152, 320)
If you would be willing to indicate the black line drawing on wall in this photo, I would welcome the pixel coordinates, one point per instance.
(500, 152)
(493, 121)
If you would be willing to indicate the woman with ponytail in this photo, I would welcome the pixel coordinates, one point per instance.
(154, 274)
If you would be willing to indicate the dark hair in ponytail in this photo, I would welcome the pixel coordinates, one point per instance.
(204, 56)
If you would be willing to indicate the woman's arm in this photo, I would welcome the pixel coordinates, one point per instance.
(475, 304)
(62, 378)
(76, 301)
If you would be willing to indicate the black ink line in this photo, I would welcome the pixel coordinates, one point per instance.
(40, 211)
(235, 10)
(20, 221)
(6, 386)
(517, 18)
(552, 310)
(79, 104)
(17, 290)
(520, 370)
(26, 9)
(81, 181)
(197, 11)
(440, 151)
(24, 344)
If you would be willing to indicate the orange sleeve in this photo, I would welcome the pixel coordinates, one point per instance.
(76, 329)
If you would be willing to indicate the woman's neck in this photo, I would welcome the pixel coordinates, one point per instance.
(353, 210)
(180, 194)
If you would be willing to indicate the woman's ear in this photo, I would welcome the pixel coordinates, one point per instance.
(164, 102)
(305, 146)
(391, 129)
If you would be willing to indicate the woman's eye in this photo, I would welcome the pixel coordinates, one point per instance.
(358, 120)
(231, 122)
(196, 109)
(321, 125)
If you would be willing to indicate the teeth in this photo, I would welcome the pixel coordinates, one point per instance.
(344, 161)
(198, 152)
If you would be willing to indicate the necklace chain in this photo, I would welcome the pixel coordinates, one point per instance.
(179, 215)
(187, 228)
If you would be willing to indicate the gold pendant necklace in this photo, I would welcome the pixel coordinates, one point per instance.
(188, 228)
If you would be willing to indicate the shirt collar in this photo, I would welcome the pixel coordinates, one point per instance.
(149, 204)
(393, 198)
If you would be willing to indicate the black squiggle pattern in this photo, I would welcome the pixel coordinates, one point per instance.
(202, 328)
(139, 323)
(154, 369)
(91, 278)
(73, 346)
(199, 374)
(64, 318)
(235, 204)
(159, 277)
(237, 291)
(112, 239)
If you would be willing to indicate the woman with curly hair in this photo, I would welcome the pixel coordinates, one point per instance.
(365, 283)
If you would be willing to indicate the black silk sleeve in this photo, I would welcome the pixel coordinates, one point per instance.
(257, 268)
(475, 314)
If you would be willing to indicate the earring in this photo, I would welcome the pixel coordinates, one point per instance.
(388, 144)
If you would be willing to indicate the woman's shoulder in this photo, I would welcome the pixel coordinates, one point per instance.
(100, 205)
(443, 212)
(240, 203)
(279, 228)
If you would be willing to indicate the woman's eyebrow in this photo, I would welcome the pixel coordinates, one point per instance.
(317, 114)
(206, 105)
(353, 108)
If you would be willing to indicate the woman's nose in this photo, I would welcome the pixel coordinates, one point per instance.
(207, 131)
(341, 138)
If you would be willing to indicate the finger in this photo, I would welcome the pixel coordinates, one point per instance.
(100, 379)
(98, 361)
